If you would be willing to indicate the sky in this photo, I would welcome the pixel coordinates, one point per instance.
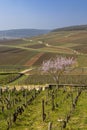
(42, 14)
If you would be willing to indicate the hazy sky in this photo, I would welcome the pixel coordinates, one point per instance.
(42, 14)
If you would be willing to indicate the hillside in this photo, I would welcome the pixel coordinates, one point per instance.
(74, 37)
(71, 28)
(39, 48)
(21, 33)
(20, 61)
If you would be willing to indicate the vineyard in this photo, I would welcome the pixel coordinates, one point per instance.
(14, 56)
(43, 109)
(47, 79)
(31, 99)
(65, 43)
(8, 78)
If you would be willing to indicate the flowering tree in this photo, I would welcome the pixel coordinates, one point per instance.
(57, 66)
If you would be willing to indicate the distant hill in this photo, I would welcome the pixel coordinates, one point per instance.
(21, 33)
(71, 28)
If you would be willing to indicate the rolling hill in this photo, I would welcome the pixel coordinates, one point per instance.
(42, 47)
(71, 28)
(21, 33)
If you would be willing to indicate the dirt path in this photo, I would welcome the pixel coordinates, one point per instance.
(25, 71)
(61, 48)
(34, 59)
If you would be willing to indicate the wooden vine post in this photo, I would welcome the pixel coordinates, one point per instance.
(50, 126)
(43, 111)
(53, 106)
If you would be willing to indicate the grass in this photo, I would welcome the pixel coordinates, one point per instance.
(31, 118)
(79, 118)
(82, 60)
(7, 78)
